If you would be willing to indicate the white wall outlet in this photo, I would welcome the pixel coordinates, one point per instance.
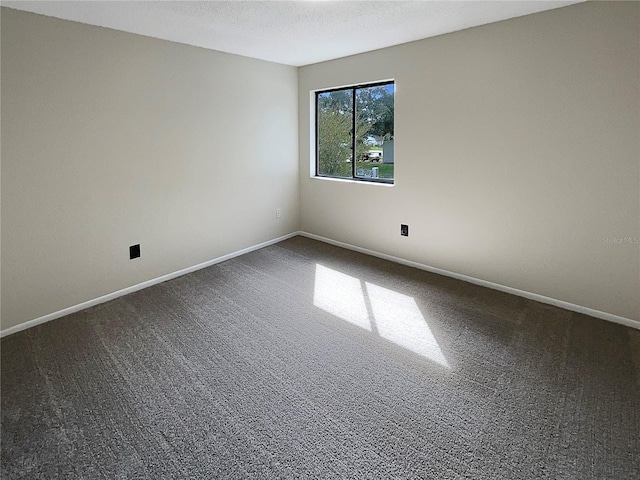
(278, 212)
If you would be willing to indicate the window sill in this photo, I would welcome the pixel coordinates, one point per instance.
(350, 180)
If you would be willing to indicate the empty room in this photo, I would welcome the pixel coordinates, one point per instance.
(320, 239)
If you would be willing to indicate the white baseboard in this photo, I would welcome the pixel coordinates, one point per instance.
(139, 286)
(521, 293)
(495, 286)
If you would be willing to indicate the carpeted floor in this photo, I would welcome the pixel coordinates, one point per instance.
(304, 360)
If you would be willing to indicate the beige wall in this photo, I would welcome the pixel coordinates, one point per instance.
(111, 139)
(517, 155)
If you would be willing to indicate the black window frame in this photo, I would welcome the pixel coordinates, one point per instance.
(353, 89)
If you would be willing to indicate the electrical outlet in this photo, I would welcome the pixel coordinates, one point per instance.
(134, 251)
(404, 230)
(278, 213)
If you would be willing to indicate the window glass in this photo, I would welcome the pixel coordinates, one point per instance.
(356, 146)
(335, 122)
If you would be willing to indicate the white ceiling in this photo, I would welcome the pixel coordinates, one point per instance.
(290, 32)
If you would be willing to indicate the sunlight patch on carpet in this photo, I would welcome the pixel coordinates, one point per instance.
(341, 295)
(385, 312)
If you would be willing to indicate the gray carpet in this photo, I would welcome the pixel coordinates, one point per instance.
(248, 370)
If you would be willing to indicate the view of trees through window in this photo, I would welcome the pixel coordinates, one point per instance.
(355, 132)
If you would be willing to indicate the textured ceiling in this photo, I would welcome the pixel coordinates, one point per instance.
(294, 33)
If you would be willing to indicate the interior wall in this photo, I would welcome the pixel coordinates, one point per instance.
(517, 155)
(111, 139)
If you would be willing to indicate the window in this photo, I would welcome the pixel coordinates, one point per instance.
(354, 132)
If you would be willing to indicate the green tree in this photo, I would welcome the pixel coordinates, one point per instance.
(362, 132)
(334, 143)
(375, 106)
